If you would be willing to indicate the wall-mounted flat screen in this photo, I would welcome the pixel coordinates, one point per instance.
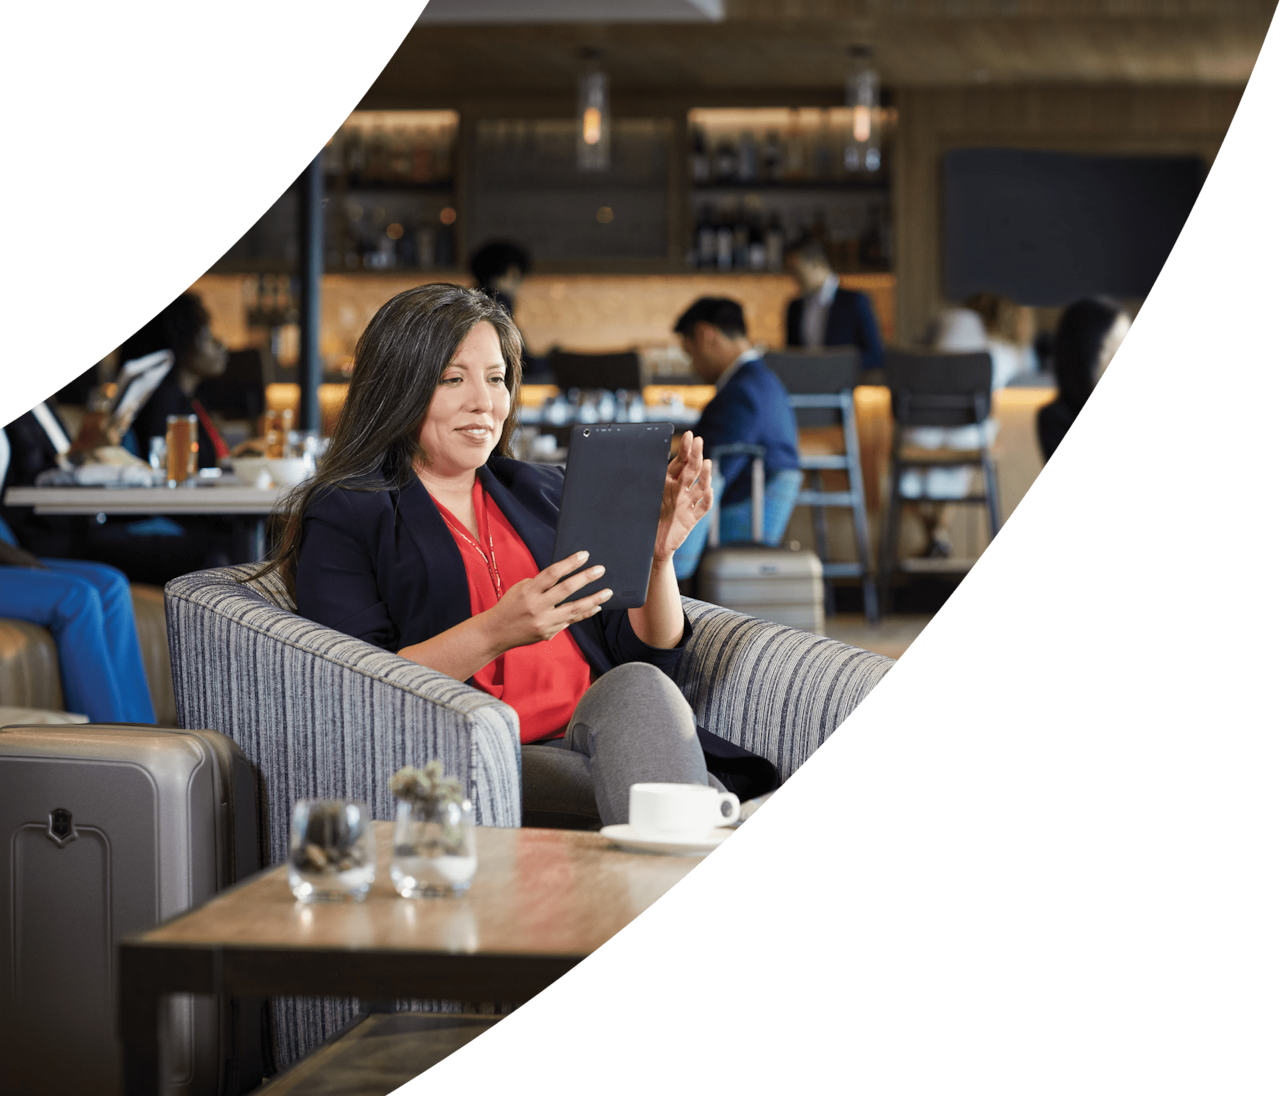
(1047, 228)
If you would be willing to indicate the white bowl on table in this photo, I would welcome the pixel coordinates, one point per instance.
(248, 469)
(289, 471)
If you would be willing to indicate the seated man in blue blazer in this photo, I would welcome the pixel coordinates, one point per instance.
(750, 406)
(825, 314)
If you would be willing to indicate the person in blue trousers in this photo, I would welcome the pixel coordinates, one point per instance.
(88, 609)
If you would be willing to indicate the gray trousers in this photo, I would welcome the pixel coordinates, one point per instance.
(632, 726)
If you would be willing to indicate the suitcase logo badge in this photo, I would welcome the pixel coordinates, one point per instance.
(61, 828)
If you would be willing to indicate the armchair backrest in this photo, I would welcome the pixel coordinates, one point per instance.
(322, 715)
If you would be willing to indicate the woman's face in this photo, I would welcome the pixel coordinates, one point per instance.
(1111, 344)
(464, 420)
(208, 355)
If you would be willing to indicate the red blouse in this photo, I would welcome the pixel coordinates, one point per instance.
(543, 681)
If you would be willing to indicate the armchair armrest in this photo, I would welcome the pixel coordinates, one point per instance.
(322, 715)
(774, 690)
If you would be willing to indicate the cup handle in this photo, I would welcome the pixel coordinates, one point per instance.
(730, 816)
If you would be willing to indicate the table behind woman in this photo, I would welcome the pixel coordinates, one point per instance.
(420, 535)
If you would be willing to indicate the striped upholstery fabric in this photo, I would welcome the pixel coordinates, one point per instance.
(322, 715)
(768, 688)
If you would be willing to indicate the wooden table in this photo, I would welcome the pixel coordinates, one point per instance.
(542, 901)
(247, 506)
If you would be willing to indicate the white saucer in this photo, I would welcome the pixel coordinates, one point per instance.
(630, 838)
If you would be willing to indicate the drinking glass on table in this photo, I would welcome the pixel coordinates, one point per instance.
(182, 442)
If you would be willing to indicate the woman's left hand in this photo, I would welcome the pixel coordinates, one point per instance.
(686, 497)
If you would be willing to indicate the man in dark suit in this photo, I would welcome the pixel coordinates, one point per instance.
(825, 314)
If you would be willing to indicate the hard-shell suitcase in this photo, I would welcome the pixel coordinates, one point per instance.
(106, 830)
(780, 584)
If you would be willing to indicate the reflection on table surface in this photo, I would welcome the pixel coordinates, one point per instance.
(536, 892)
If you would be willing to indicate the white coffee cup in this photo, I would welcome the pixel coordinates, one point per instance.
(680, 812)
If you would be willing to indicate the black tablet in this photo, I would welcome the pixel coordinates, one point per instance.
(612, 499)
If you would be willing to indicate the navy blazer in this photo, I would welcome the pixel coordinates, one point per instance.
(851, 321)
(383, 566)
(753, 408)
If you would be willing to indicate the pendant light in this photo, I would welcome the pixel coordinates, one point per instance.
(862, 94)
(593, 115)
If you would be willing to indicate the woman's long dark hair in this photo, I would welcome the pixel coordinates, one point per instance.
(1077, 345)
(398, 363)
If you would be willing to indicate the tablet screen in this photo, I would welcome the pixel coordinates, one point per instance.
(612, 500)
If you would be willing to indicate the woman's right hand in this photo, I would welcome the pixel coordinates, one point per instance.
(530, 612)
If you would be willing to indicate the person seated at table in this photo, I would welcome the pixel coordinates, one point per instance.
(88, 608)
(824, 314)
(750, 407)
(1088, 335)
(420, 535)
(183, 327)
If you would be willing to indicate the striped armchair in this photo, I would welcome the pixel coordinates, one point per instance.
(322, 715)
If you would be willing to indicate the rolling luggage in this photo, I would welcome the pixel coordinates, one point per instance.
(782, 584)
(106, 830)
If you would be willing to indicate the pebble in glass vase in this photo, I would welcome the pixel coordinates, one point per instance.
(332, 851)
(434, 846)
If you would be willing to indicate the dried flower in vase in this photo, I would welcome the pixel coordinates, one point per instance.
(426, 785)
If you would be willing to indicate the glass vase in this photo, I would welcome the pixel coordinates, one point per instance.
(434, 852)
(332, 852)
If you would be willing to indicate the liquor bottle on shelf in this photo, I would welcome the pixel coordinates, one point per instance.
(420, 171)
(794, 151)
(872, 250)
(772, 164)
(724, 242)
(741, 240)
(748, 160)
(699, 158)
(400, 149)
(425, 241)
(774, 243)
(757, 253)
(704, 232)
(824, 150)
(356, 155)
(726, 161)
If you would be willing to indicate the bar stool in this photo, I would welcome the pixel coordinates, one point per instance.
(936, 390)
(609, 371)
(820, 388)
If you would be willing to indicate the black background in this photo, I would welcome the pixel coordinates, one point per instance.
(963, 880)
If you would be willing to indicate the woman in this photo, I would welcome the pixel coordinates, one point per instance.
(1089, 334)
(182, 327)
(419, 535)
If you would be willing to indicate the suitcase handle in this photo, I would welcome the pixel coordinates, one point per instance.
(736, 449)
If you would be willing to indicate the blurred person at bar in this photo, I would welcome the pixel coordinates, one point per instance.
(1088, 335)
(826, 315)
(1004, 329)
(499, 268)
(750, 406)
